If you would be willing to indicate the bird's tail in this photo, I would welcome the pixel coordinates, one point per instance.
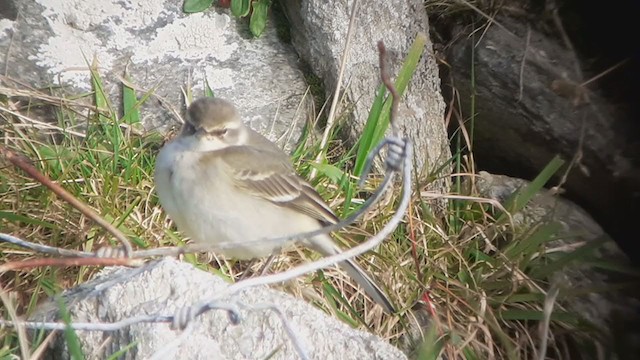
(326, 246)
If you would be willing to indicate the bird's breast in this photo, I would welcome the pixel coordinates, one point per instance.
(206, 206)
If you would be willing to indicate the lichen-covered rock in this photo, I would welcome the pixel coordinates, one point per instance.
(163, 287)
(162, 49)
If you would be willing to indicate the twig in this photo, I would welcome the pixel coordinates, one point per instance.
(69, 261)
(40, 123)
(336, 94)
(575, 160)
(549, 302)
(553, 7)
(605, 72)
(384, 74)
(45, 249)
(19, 325)
(8, 53)
(524, 60)
(24, 164)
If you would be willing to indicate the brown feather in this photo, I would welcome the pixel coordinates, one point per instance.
(274, 179)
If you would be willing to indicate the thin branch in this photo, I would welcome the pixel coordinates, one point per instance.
(522, 63)
(336, 94)
(24, 164)
(68, 261)
(549, 302)
(45, 249)
(384, 74)
(551, 5)
(19, 325)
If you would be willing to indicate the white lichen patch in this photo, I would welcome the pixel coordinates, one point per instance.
(218, 78)
(84, 29)
(196, 36)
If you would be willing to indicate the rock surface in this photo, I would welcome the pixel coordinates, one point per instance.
(319, 31)
(162, 49)
(603, 304)
(162, 287)
(529, 111)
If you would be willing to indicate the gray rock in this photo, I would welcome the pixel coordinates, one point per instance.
(518, 133)
(51, 43)
(162, 287)
(319, 31)
(609, 309)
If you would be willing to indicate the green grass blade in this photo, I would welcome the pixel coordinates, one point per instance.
(130, 105)
(70, 336)
(208, 92)
(520, 198)
(365, 143)
(9, 216)
(379, 116)
(121, 352)
(526, 247)
(580, 254)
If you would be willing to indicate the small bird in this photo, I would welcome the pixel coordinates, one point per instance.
(224, 184)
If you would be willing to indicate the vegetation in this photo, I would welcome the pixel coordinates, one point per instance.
(480, 280)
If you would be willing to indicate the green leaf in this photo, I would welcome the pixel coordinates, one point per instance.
(100, 96)
(258, 21)
(240, 8)
(194, 6)
(332, 295)
(365, 143)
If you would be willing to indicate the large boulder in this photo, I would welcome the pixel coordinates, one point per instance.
(162, 49)
(530, 104)
(162, 287)
(319, 31)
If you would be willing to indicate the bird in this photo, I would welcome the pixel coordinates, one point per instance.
(225, 185)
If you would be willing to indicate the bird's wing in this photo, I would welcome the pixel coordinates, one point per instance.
(270, 176)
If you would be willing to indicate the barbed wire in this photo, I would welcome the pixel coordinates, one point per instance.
(397, 161)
